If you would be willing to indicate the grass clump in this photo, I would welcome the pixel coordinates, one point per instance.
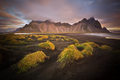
(76, 44)
(13, 41)
(116, 51)
(68, 55)
(51, 38)
(56, 39)
(74, 40)
(44, 37)
(66, 39)
(86, 53)
(93, 44)
(31, 60)
(29, 39)
(28, 46)
(21, 37)
(87, 49)
(105, 47)
(40, 39)
(36, 36)
(22, 42)
(62, 39)
(47, 45)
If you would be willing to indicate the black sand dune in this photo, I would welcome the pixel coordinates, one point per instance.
(103, 65)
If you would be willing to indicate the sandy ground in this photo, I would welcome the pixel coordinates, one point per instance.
(103, 65)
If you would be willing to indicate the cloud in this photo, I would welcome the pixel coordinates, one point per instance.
(19, 12)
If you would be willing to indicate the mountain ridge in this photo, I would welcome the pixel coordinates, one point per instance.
(90, 25)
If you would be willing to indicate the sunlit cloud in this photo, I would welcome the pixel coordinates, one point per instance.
(21, 12)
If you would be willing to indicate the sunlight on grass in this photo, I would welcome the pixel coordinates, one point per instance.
(31, 60)
(68, 55)
(105, 47)
(87, 49)
(62, 39)
(74, 40)
(40, 39)
(44, 37)
(29, 39)
(47, 45)
(56, 39)
(13, 41)
(93, 44)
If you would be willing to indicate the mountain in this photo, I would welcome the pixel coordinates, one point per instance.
(90, 25)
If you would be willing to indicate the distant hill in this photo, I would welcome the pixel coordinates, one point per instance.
(90, 25)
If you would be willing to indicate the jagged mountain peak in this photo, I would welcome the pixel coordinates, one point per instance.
(91, 19)
(90, 25)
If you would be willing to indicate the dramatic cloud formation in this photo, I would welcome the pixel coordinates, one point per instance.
(17, 13)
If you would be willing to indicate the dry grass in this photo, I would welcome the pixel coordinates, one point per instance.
(74, 40)
(47, 45)
(22, 42)
(51, 38)
(19, 36)
(56, 39)
(105, 47)
(76, 44)
(44, 37)
(31, 60)
(62, 39)
(68, 55)
(40, 39)
(13, 41)
(29, 39)
(36, 36)
(93, 44)
(87, 49)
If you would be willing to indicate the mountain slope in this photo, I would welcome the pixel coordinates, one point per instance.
(90, 25)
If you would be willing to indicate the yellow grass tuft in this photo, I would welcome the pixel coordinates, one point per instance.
(56, 39)
(62, 39)
(31, 60)
(93, 44)
(47, 45)
(13, 41)
(68, 55)
(105, 47)
(51, 38)
(29, 39)
(40, 39)
(45, 37)
(87, 49)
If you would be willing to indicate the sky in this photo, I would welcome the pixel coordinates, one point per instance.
(16, 13)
